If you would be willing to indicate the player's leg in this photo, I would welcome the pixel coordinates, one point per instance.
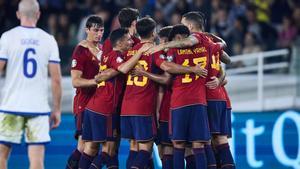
(92, 134)
(11, 131)
(189, 158)
(166, 145)
(199, 133)
(74, 158)
(220, 142)
(36, 136)
(127, 133)
(178, 125)
(36, 154)
(144, 128)
(5, 150)
(215, 112)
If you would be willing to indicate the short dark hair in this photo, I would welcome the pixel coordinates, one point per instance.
(117, 35)
(197, 19)
(178, 30)
(94, 20)
(127, 15)
(164, 32)
(145, 27)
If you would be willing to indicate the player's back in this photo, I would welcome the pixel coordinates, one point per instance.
(189, 89)
(140, 93)
(28, 51)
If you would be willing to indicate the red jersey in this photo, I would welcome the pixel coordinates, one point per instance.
(107, 95)
(107, 46)
(141, 92)
(84, 61)
(189, 89)
(164, 110)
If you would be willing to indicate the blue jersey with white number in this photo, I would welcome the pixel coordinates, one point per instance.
(27, 52)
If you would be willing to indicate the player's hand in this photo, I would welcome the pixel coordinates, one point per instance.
(156, 48)
(214, 83)
(98, 78)
(138, 71)
(224, 82)
(145, 48)
(198, 70)
(55, 119)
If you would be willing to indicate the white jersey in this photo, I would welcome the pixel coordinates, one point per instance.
(27, 52)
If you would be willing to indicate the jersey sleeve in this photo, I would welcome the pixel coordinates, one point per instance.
(54, 54)
(78, 58)
(170, 56)
(159, 58)
(115, 61)
(3, 48)
(107, 47)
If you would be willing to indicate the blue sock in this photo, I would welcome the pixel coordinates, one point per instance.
(131, 157)
(226, 158)
(151, 163)
(210, 157)
(178, 158)
(85, 161)
(190, 162)
(167, 162)
(142, 159)
(73, 160)
(99, 161)
(113, 162)
(200, 158)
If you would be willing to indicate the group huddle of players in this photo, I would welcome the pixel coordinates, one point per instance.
(168, 91)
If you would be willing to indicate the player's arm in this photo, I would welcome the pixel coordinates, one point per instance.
(106, 75)
(217, 40)
(216, 81)
(2, 64)
(78, 81)
(174, 68)
(158, 102)
(184, 43)
(164, 78)
(225, 58)
(55, 74)
(130, 63)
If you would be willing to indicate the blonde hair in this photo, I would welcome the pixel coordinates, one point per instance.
(29, 8)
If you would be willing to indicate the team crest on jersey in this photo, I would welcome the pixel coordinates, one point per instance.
(119, 59)
(169, 58)
(74, 63)
(162, 56)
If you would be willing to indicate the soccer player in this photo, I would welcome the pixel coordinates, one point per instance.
(100, 122)
(85, 66)
(28, 53)
(138, 107)
(127, 18)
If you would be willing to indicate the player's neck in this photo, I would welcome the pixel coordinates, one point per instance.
(28, 22)
(92, 42)
(150, 40)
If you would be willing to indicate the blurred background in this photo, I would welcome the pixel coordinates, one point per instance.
(263, 38)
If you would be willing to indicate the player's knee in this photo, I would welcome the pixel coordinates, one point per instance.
(167, 150)
(178, 144)
(147, 146)
(218, 140)
(91, 148)
(198, 145)
(80, 145)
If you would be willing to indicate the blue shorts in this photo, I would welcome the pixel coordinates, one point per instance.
(219, 118)
(98, 127)
(163, 133)
(78, 124)
(139, 128)
(189, 124)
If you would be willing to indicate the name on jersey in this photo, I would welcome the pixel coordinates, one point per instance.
(29, 42)
(190, 51)
(133, 52)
